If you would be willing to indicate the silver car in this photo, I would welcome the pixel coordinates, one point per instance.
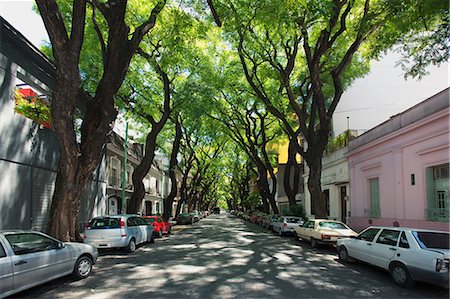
(285, 224)
(118, 231)
(29, 258)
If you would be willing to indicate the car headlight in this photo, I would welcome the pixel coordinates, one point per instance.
(442, 265)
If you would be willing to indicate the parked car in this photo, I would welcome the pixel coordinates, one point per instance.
(267, 221)
(408, 254)
(195, 216)
(256, 217)
(29, 258)
(323, 231)
(118, 231)
(286, 224)
(185, 218)
(160, 226)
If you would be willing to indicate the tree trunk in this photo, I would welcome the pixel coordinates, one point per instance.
(168, 201)
(313, 157)
(139, 173)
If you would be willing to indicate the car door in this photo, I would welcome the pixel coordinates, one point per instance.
(6, 270)
(143, 229)
(384, 248)
(133, 229)
(361, 246)
(308, 228)
(37, 258)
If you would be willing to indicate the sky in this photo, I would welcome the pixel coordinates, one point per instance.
(368, 102)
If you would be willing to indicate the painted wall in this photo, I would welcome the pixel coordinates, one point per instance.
(403, 146)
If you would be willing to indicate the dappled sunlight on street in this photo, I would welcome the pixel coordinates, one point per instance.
(224, 257)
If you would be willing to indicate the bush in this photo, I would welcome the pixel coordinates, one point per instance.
(296, 210)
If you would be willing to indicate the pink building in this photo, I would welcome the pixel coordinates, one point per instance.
(399, 170)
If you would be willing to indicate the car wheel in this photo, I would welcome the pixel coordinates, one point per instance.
(83, 267)
(160, 234)
(314, 243)
(131, 246)
(400, 275)
(169, 231)
(343, 254)
(280, 233)
(152, 239)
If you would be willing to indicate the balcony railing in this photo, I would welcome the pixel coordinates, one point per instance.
(437, 214)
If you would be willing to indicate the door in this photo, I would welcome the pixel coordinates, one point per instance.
(37, 258)
(6, 271)
(384, 248)
(343, 204)
(148, 208)
(361, 246)
(112, 206)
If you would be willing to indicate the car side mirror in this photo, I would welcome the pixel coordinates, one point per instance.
(61, 245)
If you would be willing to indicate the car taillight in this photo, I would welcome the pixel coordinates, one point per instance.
(122, 223)
(442, 265)
(88, 226)
(285, 225)
(326, 237)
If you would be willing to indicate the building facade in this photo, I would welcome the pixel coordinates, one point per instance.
(399, 170)
(29, 151)
(156, 182)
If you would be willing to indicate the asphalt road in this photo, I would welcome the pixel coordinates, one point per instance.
(224, 257)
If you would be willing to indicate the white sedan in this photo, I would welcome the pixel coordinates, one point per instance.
(408, 254)
(29, 258)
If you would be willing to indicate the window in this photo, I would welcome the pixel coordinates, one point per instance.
(309, 224)
(32, 105)
(132, 221)
(332, 225)
(159, 220)
(141, 221)
(115, 172)
(29, 242)
(327, 200)
(437, 186)
(403, 241)
(432, 239)
(2, 251)
(388, 237)
(368, 235)
(157, 207)
(105, 223)
(293, 220)
(374, 189)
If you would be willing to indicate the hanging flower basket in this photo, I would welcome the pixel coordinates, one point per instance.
(28, 104)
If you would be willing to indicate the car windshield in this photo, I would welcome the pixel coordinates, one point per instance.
(333, 225)
(432, 239)
(150, 220)
(293, 220)
(184, 215)
(105, 223)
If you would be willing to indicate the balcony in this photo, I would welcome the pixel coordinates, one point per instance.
(437, 214)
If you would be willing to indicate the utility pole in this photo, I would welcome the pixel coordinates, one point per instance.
(124, 170)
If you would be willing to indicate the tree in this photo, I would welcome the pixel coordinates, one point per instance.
(299, 56)
(78, 159)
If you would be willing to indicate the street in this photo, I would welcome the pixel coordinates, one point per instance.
(224, 257)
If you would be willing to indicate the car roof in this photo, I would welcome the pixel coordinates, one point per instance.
(7, 231)
(117, 216)
(409, 229)
(329, 220)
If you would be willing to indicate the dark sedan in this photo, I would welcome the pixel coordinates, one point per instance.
(185, 218)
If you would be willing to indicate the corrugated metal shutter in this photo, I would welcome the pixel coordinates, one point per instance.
(43, 189)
